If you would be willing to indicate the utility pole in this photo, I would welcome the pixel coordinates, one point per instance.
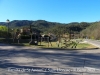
(8, 30)
(70, 33)
(31, 35)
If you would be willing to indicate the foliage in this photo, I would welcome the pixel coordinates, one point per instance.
(42, 26)
(25, 37)
(3, 28)
(58, 30)
(92, 31)
(3, 31)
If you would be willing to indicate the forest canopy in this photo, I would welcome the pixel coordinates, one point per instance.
(86, 29)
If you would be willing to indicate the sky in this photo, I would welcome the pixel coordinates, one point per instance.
(63, 11)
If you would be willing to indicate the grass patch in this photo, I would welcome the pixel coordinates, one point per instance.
(79, 45)
(54, 45)
(20, 44)
(85, 46)
(46, 45)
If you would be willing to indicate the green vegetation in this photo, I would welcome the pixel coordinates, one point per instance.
(67, 31)
(85, 46)
(45, 26)
(68, 45)
(54, 45)
(92, 31)
(79, 46)
(60, 30)
(3, 31)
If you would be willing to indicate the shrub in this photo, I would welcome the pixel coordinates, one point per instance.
(25, 37)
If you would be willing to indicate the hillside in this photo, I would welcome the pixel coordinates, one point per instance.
(92, 31)
(43, 25)
(20, 23)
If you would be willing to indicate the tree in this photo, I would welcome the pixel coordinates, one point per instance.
(3, 31)
(92, 31)
(58, 31)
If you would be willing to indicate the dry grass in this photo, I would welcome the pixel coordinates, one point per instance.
(54, 45)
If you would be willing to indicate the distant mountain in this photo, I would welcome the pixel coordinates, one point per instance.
(2, 23)
(38, 23)
(43, 25)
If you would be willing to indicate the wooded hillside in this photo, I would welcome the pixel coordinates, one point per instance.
(92, 32)
(46, 26)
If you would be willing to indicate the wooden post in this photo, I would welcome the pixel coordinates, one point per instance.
(48, 41)
(40, 40)
(18, 41)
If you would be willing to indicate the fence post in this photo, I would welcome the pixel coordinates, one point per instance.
(48, 41)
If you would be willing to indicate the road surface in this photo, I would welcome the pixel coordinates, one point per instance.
(18, 60)
(93, 42)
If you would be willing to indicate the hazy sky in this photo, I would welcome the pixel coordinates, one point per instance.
(63, 11)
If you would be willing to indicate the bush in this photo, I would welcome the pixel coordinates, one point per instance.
(25, 37)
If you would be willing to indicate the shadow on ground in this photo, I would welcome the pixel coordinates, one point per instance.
(19, 57)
